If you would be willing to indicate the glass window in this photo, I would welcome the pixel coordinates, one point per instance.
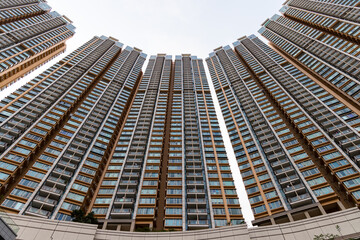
(146, 211)
(176, 222)
(274, 205)
(323, 191)
(173, 211)
(352, 182)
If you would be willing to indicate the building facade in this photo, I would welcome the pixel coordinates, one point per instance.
(322, 38)
(139, 151)
(169, 169)
(57, 129)
(296, 144)
(30, 36)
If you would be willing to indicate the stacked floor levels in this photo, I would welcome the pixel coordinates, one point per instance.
(139, 151)
(30, 35)
(294, 141)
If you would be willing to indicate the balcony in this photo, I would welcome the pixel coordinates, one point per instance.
(294, 189)
(287, 170)
(341, 135)
(195, 183)
(129, 183)
(3, 146)
(126, 192)
(195, 191)
(121, 213)
(300, 200)
(276, 156)
(131, 174)
(196, 201)
(132, 167)
(51, 190)
(283, 162)
(76, 151)
(37, 212)
(289, 179)
(59, 182)
(127, 202)
(198, 224)
(349, 141)
(63, 172)
(40, 201)
(353, 150)
(67, 164)
(6, 137)
(197, 211)
(71, 157)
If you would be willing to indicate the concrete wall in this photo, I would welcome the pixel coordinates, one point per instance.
(32, 228)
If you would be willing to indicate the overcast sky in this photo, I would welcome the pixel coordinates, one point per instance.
(166, 26)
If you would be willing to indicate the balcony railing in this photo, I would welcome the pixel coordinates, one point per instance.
(299, 198)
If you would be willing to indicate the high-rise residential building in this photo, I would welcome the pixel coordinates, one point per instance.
(30, 35)
(56, 132)
(139, 151)
(322, 38)
(296, 143)
(169, 168)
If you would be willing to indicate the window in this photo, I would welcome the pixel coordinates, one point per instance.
(263, 177)
(70, 206)
(21, 193)
(316, 181)
(99, 210)
(146, 211)
(4, 176)
(352, 182)
(220, 222)
(13, 204)
(345, 172)
(176, 222)
(35, 174)
(173, 211)
(76, 197)
(310, 172)
(80, 187)
(338, 163)
(147, 200)
(259, 209)
(305, 164)
(235, 211)
(174, 191)
(255, 199)
(219, 211)
(7, 166)
(103, 200)
(323, 191)
(173, 201)
(106, 191)
(274, 205)
(267, 185)
(148, 191)
(356, 194)
(271, 194)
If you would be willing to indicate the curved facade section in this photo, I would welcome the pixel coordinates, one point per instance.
(347, 222)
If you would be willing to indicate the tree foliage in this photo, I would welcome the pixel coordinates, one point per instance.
(78, 215)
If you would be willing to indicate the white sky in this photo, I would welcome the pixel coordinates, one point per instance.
(167, 26)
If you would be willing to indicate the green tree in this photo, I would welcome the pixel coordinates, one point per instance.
(78, 215)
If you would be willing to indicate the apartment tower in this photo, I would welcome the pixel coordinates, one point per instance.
(296, 143)
(322, 38)
(92, 133)
(169, 169)
(30, 35)
(57, 130)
